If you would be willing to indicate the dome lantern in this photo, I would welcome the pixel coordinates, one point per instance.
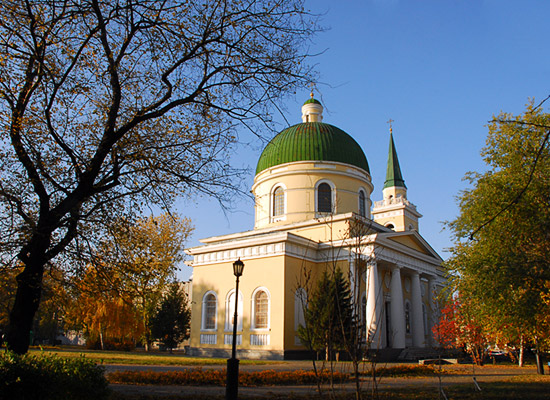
(312, 110)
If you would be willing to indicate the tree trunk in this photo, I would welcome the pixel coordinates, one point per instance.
(538, 358)
(29, 291)
(540, 363)
(521, 347)
(101, 338)
(27, 300)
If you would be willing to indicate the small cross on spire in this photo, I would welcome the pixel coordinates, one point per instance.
(312, 85)
(389, 122)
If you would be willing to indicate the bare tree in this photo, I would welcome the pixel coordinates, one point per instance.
(345, 326)
(110, 106)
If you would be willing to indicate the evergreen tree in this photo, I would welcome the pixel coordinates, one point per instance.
(328, 316)
(170, 323)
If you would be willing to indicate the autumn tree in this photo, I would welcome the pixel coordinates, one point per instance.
(141, 259)
(8, 287)
(111, 106)
(129, 273)
(462, 325)
(108, 318)
(171, 321)
(501, 255)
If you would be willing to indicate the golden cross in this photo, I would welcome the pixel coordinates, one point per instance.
(389, 122)
(312, 85)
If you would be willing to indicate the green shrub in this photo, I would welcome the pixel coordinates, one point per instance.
(94, 343)
(48, 377)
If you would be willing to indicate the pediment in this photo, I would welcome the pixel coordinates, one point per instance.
(410, 239)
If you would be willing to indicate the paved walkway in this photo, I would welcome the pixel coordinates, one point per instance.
(462, 375)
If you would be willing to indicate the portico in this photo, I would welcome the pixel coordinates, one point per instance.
(400, 290)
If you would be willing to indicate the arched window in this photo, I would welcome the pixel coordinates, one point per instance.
(362, 208)
(209, 311)
(278, 201)
(230, 311)
(324, 198)
(390, 226)
(300, 305)
(260, 309)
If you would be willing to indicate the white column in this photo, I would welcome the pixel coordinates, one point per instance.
(374, 305)
(432, 309)
(352, 279)
(417, 317)
(397, 309)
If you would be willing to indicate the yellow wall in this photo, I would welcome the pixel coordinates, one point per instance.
(220, 278)
(281, 275)
(407, 241)
(400, 222)
(325, 231)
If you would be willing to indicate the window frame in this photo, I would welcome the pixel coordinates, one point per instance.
(230, 311)
(364, 213)
(204, 312)
(332, 197)
(279, 217)
(253, 326)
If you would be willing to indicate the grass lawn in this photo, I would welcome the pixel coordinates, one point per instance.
(528, 386)
(140, 358)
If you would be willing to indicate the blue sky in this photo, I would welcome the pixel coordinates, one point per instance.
(439, 68)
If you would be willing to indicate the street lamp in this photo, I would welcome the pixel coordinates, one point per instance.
(232, 384)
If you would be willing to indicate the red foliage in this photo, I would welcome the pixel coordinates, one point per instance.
(459, 327)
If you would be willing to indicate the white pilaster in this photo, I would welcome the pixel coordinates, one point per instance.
(374, 305)
(397, 309)
(417, 317)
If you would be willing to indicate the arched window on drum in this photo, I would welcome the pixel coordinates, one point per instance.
(325, 198)
(362, 203)
(278, 201)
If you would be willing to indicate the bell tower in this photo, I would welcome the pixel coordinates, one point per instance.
(395, 211)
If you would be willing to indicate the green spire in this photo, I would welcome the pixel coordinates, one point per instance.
(393, 173)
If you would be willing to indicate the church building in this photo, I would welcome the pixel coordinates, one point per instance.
(313, 212)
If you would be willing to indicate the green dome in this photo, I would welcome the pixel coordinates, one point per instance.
(312, 141)
(312, 100)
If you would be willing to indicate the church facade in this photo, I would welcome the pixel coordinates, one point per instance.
(313, 212)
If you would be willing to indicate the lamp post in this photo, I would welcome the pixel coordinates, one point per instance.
(232, 384)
